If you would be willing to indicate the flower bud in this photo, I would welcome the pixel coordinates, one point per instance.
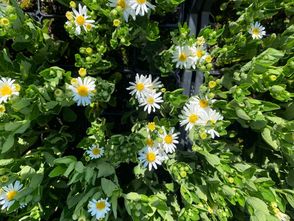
(72, 4)
(116, 22)
(89, 50)
(212, 84)
(82, 72)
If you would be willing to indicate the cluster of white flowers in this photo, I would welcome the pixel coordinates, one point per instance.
(159, 144)
(197, 112)
(79, 19)
(145, 91)
(187, 57)
(95, 151)
(256, 30)
(83, 90)
(8, 89)
(132, 7)
(8, 194)
(99, 208)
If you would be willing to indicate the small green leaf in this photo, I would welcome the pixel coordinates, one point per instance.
(8, 144)
(108, 186)
(242, 114)
(57, 171)
(267, 137)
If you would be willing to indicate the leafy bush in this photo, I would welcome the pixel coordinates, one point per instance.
(95, 126)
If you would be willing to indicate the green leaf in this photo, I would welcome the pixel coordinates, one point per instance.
(269, 106)
(158, 203)
(290, 178)
(5, 162)
(8, 144)
(132, 196)
(69, 169)
(242, 114)
(108, 186)
(256, 205)
(57, 171)
(68, 115)
(212, 159)
(105, 169)
(267, 137)
(87, 195)
(113, 201)
(65, 160)
(79, 167)
(290, 199)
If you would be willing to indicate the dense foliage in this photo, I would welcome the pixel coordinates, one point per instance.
(93, 124)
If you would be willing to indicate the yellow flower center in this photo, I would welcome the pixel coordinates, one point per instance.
(5, 90)
(193, 118)
(121, 3)
(149, 142)
(150, 157)
(168, 139)
(140, 86)
(80, 20)
(83, 91)
(10, 195)
(203, 103)
(182, 57)
(150, 100)
(100, 205)
(255, 31)
(96, 151)
(82, 72)
(199, 53)
(141, 2)
(151, 126)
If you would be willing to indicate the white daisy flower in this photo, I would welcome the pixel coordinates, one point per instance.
(126, 8)
(202, 102)
(95, 151)
(190, 116)
(150, 157)
(140, 87)
(81, 19)
(169, 140)
(155, 84)
(181, 57)
(8, 89)
(83, 89)
(99, 208)
(209, 118)
(197, 55)
(141, 6)
(257, 31)
(8, 194)
(151, 101)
